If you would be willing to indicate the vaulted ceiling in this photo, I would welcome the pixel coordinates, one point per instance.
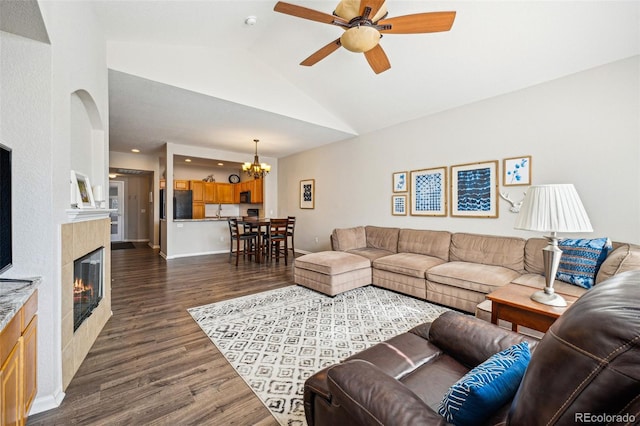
(193, 73)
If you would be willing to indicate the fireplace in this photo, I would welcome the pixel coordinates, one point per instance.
(87, 285)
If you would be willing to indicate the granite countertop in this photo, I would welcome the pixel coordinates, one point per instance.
(206, 219)
(13, 295)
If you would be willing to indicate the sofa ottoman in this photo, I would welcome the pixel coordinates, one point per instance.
(332, 272)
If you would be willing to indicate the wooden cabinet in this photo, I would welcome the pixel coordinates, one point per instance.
(225, 193)
(197, 211)
(257, 196)
(29, 353)
(181, 184)
(210, 195)
(197, 191)
(18, 362)
(236, 193)
(254, 186)
(10, 395)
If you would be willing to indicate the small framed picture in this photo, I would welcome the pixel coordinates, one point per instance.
(400, 182)
(399, 205)
(516, 171)
(307, 193)
(474, 190)
(81, 193)
(429, 192)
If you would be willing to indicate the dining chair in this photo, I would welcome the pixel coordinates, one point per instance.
(291, 226)
(254, 229)
(248, 241)
(277, 239)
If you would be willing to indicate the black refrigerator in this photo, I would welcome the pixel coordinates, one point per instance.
(182, 205)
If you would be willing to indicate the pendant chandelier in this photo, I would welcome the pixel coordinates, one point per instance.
(256, 169)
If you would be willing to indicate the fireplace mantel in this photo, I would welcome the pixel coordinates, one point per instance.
(79, 215)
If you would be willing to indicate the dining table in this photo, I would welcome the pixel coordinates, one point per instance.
(256, 223)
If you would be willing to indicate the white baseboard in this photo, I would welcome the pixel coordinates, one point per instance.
(177, 256)
(47, 402)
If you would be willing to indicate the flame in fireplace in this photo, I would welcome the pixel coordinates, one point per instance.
(82, 290)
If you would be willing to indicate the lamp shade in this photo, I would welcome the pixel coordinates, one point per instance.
(553, 208)
(360, 39)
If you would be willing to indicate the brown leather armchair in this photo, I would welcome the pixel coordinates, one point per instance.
(586, 365)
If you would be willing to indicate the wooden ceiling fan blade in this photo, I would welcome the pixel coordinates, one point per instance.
(322, 53)
(375, 6)
(306, 13)
(429, 22)
(377, 59)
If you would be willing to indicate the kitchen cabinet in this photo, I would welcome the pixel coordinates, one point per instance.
(197, 191)
(181, 184)
(236, 193)
(18, 363)
(225, 193)
(197, 210)
(257, 191)
(255, 186)
(210, 192)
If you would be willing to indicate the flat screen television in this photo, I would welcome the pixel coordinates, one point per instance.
(6, 243)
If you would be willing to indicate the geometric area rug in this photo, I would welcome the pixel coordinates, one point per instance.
(276, 339)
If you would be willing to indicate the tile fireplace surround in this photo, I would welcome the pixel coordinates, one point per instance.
(78, 239)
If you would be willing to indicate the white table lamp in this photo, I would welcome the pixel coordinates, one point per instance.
(552, 208)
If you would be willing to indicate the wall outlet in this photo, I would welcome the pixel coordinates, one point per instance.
(180, 225)
(317, 240)
(222, 238)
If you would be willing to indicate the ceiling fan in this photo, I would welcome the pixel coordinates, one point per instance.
(364, 22)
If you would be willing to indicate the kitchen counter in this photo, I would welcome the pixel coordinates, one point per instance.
(13, 295)
(206, 219)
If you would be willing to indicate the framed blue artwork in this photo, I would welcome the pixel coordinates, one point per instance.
(474, 190)
(429, 192)
(399, 205)
(517, 171)
(400, 183)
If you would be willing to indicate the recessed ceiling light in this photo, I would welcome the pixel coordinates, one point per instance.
(220, 164)
(251, 20)
(136, 150)
(112, 175)
(187, 160)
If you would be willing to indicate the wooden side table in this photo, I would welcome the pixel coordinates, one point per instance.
(512, 303)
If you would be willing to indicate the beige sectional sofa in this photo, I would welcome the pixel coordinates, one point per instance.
(460, 269)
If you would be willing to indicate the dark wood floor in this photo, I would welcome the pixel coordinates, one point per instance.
(152, 364)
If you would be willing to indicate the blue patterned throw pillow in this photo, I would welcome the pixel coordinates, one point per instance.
(487, 387)
(581, 259)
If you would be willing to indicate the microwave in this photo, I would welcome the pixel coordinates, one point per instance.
(245, 197)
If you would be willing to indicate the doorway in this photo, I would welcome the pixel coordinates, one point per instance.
(116, 201)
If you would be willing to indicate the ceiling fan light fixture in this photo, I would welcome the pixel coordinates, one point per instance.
(349, 9)
(360, 39)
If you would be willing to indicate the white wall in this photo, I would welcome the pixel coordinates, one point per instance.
(36, 85)
(188, 171)
(582, 129)
(25, 126)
